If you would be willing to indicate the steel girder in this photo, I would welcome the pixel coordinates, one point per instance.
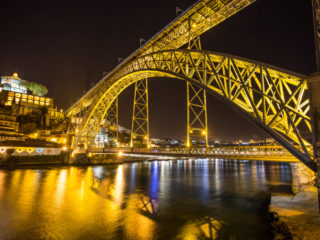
(140, 113)
(112, 121)
(202, 16)
(275, 99)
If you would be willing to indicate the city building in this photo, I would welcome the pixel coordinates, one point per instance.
(22, 98)
(9, 128)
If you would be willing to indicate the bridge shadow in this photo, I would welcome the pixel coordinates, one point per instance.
(145, 205)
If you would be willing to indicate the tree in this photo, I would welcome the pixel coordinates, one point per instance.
(38, 89)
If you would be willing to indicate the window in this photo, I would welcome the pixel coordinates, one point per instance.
(39, 150)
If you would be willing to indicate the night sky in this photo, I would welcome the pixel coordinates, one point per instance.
(68, 45)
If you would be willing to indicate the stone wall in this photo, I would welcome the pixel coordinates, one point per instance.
(302, 176)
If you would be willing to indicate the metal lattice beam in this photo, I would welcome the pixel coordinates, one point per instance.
(112, 121)
(197, 124)
(274, 99)
(140, 113)
(202, 16)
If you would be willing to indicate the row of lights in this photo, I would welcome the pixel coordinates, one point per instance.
(20, 150)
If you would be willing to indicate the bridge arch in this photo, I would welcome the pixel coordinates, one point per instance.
(276, 100)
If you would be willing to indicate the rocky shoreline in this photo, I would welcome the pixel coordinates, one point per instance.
(299, 212)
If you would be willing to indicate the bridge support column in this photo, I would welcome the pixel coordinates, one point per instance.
(314, 84)
(112, 123)
(140, 115)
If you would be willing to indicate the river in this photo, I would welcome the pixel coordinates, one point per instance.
(172, 199)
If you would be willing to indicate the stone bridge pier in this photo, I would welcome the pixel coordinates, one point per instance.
(314, 84)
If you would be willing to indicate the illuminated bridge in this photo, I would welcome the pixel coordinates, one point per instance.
(269, 152)
(275, 99)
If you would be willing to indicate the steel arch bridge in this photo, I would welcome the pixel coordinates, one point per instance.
(276, 100)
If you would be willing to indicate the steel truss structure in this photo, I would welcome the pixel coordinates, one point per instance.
(197, 123)
(112, 121)
(197, 126)
(202, 16)
(274, 99)
(140, 114)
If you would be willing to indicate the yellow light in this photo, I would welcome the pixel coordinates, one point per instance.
(90, 154)
(145, 137)
(15, 75)
(188, 144)
(64, 140)
(194, 25)
(191, 131)
(53, 139)
(203, 132)
(64, 148)
(120, 154)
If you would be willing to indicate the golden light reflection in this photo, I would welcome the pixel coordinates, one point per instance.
(29, 184)
(118, 191)
(2, 182)
(61, 185)
(205, 228)
(135, 215)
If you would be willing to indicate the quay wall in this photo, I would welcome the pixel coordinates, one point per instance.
(300, 212)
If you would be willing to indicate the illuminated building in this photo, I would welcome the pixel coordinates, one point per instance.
(13, 83)
(17, 95)
(9, 128)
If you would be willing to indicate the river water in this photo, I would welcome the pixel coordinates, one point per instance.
(172, 199)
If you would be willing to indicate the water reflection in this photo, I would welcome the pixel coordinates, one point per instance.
(176, 199)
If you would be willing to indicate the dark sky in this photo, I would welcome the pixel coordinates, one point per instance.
(67, 45)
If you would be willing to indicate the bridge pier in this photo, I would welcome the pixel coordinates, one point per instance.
(314, 84)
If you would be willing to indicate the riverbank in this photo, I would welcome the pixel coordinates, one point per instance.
(64, 159)
(301, 211)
